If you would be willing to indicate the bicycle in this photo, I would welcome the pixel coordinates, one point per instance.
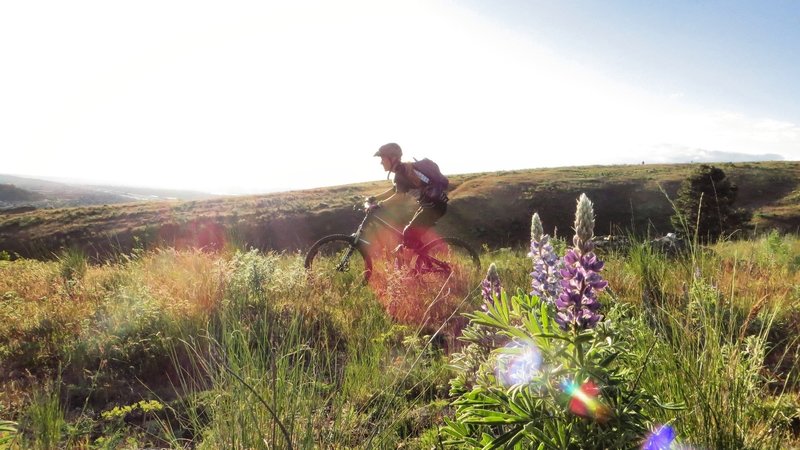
(350, 256)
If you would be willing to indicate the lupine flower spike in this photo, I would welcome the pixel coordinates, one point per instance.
(581, 282)
(545, 276)
(536, 228)
(490, 287)
(584, 225)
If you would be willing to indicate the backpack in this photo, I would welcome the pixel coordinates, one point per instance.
(435, 182)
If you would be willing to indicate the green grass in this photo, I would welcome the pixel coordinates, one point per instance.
(717, 354)
(242, 350)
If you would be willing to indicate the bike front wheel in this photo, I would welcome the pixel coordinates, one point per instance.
(339, 259)
(449, 256)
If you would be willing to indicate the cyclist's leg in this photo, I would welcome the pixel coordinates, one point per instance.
(424, 219)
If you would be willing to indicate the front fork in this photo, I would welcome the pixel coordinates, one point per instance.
(344, 264)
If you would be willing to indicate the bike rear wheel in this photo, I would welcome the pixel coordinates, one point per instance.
(338, 259)
(449, 257)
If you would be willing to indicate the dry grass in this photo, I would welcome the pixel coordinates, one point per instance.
(768, 267)
(189, 282)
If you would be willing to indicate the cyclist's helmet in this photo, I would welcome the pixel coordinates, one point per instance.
(390, 150)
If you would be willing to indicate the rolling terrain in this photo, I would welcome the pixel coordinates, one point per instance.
(485, 208)
(23, 194)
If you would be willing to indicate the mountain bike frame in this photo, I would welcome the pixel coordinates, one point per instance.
(369, 208)
(425, 263)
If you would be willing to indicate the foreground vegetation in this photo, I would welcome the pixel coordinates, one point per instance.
(239, 349)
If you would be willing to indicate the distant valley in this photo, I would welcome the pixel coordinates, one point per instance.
(21, 193)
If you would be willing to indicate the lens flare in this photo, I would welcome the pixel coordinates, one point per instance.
(518, 364)
(662, 438)
(584, 400)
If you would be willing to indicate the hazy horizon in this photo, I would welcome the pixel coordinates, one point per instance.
(741, 158)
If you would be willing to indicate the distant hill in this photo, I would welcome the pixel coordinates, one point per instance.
(485, 208)
(12, 194)
(51, 194)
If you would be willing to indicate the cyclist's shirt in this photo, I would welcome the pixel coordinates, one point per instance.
(406, 181)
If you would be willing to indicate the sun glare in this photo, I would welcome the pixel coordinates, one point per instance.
(287, 95)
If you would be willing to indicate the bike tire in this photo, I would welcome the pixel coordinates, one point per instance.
(325, 256)
(455, 251)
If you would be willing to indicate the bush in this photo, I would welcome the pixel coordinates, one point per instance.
(704, 206)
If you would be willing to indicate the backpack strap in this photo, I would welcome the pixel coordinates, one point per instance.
(424, 178)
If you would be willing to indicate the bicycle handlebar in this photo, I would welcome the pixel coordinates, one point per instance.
(368, 205)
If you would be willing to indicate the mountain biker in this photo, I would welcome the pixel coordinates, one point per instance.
(408, 181)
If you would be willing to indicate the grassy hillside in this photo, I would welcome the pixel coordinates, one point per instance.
(485, 208)
(10, 194)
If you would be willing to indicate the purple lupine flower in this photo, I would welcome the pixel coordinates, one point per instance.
(490, 286)
(545, 276)
(581, 281)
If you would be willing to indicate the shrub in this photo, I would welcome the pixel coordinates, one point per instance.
(704, 206)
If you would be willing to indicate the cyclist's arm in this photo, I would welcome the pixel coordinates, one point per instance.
(383, 196)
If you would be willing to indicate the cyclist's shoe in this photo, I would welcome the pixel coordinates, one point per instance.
(400, 256)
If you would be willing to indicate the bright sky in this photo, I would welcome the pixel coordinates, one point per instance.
(235, 97)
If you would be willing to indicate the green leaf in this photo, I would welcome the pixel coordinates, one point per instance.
(532, 324)
(609, 359)
(540, 437)
(506, 437)
(671, 406)
(489, 417)
(544, 314)
(504, 311)
(515, 441)
(583, 338)
(8, 426)
(488, 319)
(558, 430)
(514, 405)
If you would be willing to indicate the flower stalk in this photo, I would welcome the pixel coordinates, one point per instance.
(578, 305)
(545, 277)
(491, 286)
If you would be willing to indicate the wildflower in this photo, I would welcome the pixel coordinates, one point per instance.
(584, 225)
(545, 276)
(581, 281)
(536, 228)
(490, 286)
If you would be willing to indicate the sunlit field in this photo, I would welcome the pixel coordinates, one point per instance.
(242, 349)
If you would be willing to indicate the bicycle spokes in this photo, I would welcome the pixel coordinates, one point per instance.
(344, 264)
(337, 259)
